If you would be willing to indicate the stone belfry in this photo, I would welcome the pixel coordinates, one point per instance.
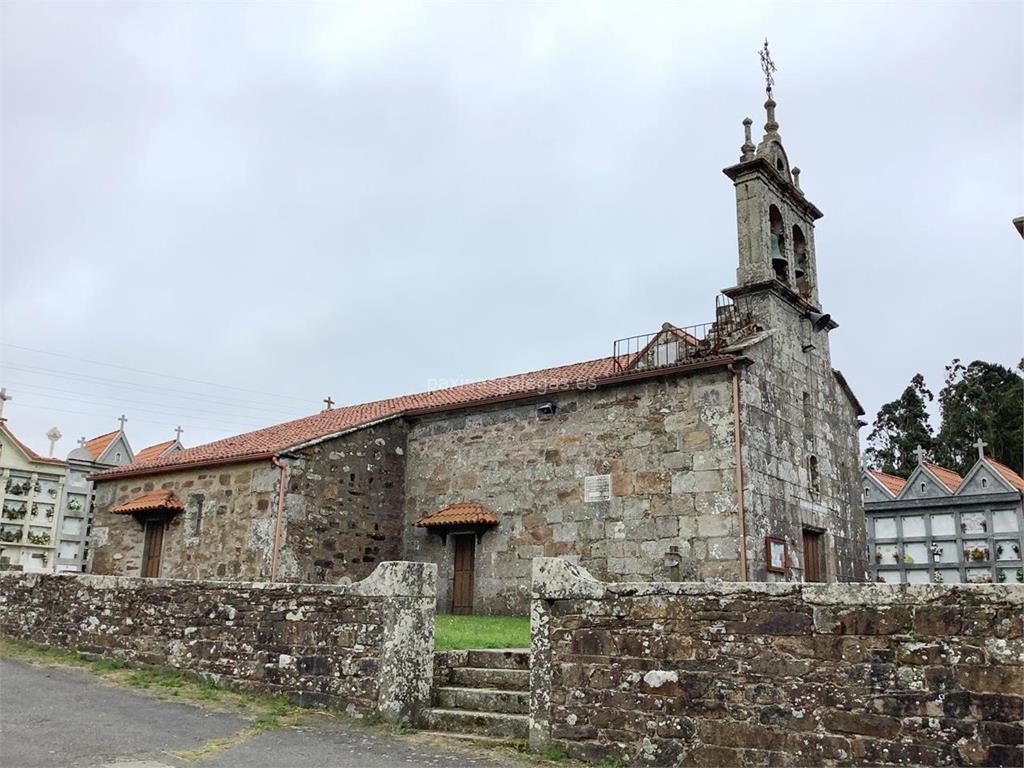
(774, 218)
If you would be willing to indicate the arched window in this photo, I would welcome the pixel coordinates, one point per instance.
(780, 263)
(800, 268)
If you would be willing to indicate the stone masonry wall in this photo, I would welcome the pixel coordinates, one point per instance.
(780, 674)
(343, 506)
(667, 444)
(792, 408)
(225, 531)
(364, 647)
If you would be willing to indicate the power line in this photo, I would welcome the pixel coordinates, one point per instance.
(107, 415)
(117, 399)
(137, 386)
(161, 413)
(152, 373)
(119, 404)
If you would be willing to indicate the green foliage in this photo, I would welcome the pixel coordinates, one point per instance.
(981, 400)
(899, 428)
(554, 753)
(454, 632)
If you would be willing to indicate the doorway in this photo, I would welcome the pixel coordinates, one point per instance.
(814, 555)
(462, 576)
(152, 547)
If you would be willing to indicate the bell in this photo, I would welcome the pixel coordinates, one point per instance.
(799, 271)
(776, 253)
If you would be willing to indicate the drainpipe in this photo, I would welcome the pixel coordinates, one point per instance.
(282, 480)
(739, 470)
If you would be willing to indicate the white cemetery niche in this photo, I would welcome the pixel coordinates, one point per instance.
(979, 576)
(1004, 520)
(915, 554)
(918, 577)
(885, 527)
(947, 576)
(1007, 550)
(943, 525)
(913, 527)
(973, 523)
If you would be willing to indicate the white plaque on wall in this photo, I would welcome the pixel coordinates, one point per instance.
(597, 488)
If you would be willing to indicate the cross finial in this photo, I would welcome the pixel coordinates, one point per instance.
(122, 418)
(4, 397)
(329, 403)
(768, 67)
(81, 442)
(919, 452)
(177, 433)
(980, 445)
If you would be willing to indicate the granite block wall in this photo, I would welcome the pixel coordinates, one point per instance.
(793, 409)
(343, 506)
(364, 647)
(782, 674)
(665, 444)
(224, 532)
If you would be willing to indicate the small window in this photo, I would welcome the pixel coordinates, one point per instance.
(812, 471)
(867, 492)
(923, 486)
(117, 456)
(984, 482)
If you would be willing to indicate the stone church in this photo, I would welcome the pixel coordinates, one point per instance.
(726, 450)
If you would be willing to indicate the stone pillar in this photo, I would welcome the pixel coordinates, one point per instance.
(552, 579)
(409, 592)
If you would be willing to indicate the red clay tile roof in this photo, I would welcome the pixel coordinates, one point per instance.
(28, 451)
(1008, 474)
(947, 477)
(891, 483)
(153, 451)
(148, 502)
(458, 514)
(98, 445)
(264, 443)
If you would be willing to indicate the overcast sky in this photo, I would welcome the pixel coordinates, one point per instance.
(358, 200)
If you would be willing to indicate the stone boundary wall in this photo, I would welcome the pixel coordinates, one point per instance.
(723, 674)
(363, 648)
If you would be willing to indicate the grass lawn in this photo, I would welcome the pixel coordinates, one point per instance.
(456, 633)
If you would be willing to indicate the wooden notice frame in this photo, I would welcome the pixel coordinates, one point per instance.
(775, 554)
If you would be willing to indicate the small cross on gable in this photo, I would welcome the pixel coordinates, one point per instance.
(980, 445)
(329, 403)
(919, 452)
(177, 433)
(122, 419)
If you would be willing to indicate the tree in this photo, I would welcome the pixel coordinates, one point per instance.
(981, 400)
(900, 427)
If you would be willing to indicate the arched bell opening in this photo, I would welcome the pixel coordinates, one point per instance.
(780, 264)
(800, 268)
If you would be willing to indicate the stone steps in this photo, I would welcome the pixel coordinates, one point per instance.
(483, 677)
(483, 699)
(482, 694)
(499, 658)
(500, 725)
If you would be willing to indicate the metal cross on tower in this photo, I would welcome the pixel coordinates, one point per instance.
(768, 67)
(980, 445)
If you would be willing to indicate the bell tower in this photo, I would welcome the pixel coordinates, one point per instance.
(775, 220)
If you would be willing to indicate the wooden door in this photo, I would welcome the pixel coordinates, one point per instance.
(814, 556)
(462, 578)
(154, 543)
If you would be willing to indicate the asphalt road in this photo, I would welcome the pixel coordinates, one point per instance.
(57, 716)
